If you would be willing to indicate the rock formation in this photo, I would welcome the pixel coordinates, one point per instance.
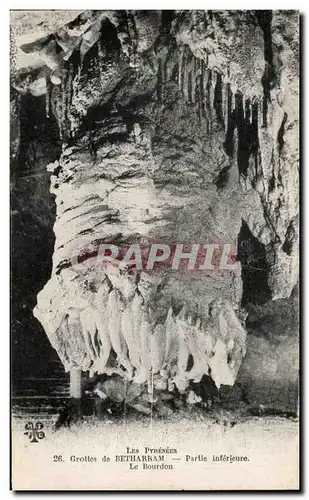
(175, 127)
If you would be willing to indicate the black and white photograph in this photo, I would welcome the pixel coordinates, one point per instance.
(154, 233)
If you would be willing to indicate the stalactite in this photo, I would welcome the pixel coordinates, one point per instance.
(229, 137)
(197, 88)
(65, 98)
(230, 100)
(193, 80)
(211, 82)
(209, 100)
(265, 110)
(75, 79)
(225, 106)
(255, 133)
(198, 99)
(48, 99)
(190, 87)
(202, 91)
(173, 77)
(159, 86)
(133, 38)
(180, 70)
(264, 18)
(187, 70)
(248, 110)
(112, 327)
(242, 150)
(166, 77)
(218, 98)
(70, 84)
(69, 92)
(63, 102)
(246, 121)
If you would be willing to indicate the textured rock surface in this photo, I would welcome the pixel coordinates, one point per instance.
(175, 127)
(270, 371)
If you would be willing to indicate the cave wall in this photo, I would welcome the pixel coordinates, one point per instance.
(34, 143)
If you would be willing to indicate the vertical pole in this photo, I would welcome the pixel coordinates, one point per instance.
(76, 382)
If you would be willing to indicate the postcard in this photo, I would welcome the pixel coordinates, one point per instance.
(154, 250)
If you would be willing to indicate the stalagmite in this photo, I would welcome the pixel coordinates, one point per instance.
(157, 345)
(76, 382)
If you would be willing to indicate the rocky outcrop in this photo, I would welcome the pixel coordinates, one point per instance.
(176, 127)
